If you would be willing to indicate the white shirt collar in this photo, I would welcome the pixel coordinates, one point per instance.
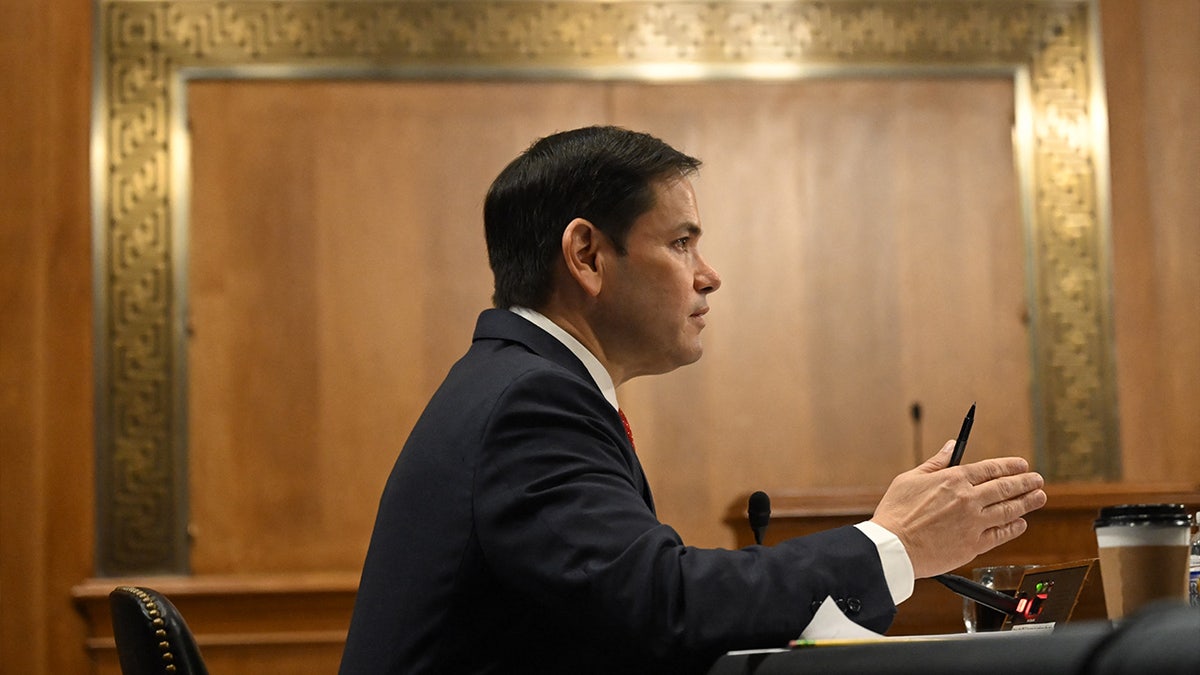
(597, 371)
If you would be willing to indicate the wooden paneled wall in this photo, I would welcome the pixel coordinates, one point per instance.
(340, 223)
(1152, 65)
(45, 333)
(338, 265)
(1151, 56)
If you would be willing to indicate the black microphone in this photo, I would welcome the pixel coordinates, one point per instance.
(759, 512)
(1005, 604)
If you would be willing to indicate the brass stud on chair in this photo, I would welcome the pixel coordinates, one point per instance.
(160, 627)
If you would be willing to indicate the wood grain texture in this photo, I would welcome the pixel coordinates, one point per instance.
(338, 264)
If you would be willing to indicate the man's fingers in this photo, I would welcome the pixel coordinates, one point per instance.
(1008, 487)
(1007, 510)
(940, 460)
(990, 469)
(947, 516)
(1003, 534)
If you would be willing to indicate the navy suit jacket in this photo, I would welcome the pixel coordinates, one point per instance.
(517, 534)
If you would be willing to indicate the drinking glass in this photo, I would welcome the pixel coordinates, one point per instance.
(1003, 578)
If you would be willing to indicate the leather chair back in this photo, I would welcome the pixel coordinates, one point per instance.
(152, 637)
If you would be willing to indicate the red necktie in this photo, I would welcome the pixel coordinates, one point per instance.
(628, 431)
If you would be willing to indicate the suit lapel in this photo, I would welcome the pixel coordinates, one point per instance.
(500, 324)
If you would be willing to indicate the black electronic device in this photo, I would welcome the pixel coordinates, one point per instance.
(1055, 594)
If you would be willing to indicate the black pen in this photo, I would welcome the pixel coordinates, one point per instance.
(960, 446)
(976, 591)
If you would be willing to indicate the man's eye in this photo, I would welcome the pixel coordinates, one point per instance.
(682, 243)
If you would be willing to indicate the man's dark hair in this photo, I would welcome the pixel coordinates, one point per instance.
(603, 174)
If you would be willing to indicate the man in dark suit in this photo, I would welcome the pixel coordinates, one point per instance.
(517, 533)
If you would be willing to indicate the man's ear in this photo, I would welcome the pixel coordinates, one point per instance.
(581, 247)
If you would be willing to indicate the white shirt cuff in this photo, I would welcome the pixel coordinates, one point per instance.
(897, 568)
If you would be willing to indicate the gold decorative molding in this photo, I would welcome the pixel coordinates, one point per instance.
(148, 51)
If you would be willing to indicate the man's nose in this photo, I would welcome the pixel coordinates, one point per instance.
(707, 279)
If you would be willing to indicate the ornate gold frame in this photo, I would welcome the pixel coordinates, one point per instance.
(148, 51)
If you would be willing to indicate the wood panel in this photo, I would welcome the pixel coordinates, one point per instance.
(1173, 126)
(338, 264)
(45, 333)
(1152, 60)
(1060, 532)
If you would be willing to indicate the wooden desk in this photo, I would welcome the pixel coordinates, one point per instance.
(1059, 532)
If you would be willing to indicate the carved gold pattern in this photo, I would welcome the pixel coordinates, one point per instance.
(148, 50)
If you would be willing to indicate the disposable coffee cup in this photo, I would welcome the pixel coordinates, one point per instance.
(1143, 555)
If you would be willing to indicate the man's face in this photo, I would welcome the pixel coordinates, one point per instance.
(654, 304)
